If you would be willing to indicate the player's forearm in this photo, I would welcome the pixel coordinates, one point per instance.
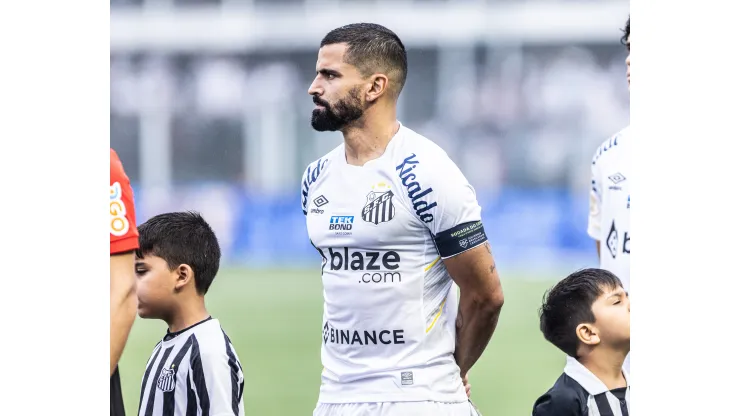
(476, 322)
(120, 326)
(123, 304)
(481, 300)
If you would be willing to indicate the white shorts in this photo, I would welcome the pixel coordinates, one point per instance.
(396, 409)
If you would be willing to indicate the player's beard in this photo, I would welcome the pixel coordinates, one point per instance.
(338, 116)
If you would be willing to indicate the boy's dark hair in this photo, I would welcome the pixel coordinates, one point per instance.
(372, 48)
(626, 33)
(569, 303)
(182, 238)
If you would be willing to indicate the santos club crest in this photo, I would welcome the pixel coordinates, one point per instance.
(166, 380)
(379, 207)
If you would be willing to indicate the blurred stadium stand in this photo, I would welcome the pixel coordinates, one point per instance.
(209, 111)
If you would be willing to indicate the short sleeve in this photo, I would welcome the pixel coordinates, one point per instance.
(595, 195)
(124, 236)
(444, 201)
(310, 176)
(557, 404)
(304, 192)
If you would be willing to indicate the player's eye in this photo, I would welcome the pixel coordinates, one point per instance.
(140, 272)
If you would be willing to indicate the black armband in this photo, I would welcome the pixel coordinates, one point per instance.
(460, 238)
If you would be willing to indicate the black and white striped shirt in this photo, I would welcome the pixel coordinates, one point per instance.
(578, 392)
(193, 372)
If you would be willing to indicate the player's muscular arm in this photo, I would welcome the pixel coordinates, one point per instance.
(122, 303)
(481, 300)
(459, 236)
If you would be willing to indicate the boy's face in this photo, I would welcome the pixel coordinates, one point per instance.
(155, 286)
(612, 313)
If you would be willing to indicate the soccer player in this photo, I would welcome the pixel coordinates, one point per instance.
(399, 230)
(194, 370)
(587, 316)
(124, 239)
(609, 218)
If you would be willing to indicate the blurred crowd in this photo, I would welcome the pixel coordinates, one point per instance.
(517, 116)
(228, 133)
(511, 115)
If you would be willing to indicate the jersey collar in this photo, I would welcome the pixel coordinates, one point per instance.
(171, 335)
(586, 378)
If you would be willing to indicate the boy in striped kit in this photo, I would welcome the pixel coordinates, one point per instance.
(587, 316)
(194, 370)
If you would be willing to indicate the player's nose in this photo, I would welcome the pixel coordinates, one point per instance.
(314, 88)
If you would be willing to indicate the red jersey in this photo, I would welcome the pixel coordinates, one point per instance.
(124, 236)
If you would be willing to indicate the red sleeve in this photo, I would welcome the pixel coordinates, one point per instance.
(124, 236)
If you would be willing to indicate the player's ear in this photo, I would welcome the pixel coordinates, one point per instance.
(588, 334)
(184, 276)
(378, 87)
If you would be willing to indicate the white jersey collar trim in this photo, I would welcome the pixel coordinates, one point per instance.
(586, 378)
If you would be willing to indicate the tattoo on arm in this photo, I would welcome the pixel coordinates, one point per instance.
(488, 247)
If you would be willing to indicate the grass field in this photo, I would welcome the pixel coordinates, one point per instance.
(274, 321)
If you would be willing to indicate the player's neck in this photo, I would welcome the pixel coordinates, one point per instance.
(606, 365)
(369, 139)
(188, 314)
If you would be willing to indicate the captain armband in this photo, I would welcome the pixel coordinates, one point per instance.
(460, 238)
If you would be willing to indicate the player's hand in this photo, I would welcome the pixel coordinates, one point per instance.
(466, 384)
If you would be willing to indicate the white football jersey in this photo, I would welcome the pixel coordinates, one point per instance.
(609, 218)
(389, 303)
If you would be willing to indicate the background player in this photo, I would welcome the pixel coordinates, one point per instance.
(396, 223)
(124, 239)
(587, 316)
(609, 218)
(194, 370)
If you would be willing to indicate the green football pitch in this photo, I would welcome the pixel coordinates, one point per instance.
(274, 320)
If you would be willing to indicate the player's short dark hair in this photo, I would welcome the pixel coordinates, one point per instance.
(182, 238)
(569, 303)
(372, 48)
(626, 33)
